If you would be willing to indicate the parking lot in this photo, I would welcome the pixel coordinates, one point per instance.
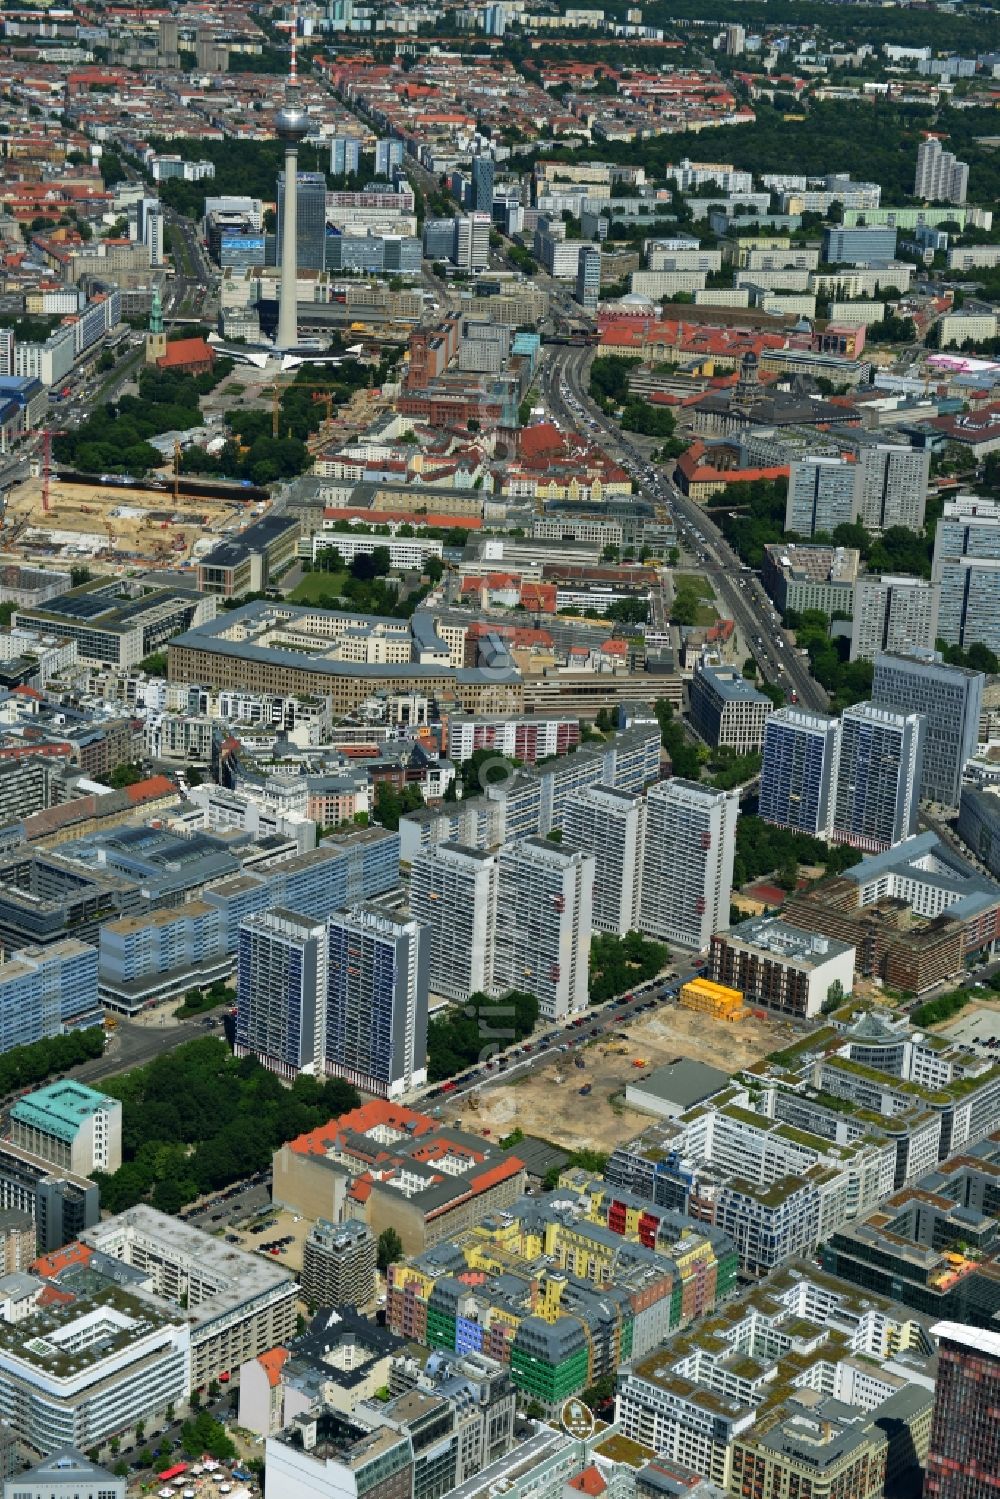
(234, 1206)
(977, 1025)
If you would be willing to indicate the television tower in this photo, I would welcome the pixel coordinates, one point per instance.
(291, 126)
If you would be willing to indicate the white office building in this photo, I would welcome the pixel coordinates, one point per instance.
(611, 825)
(544, 920)
(230, 1305)
(65, 1475)
(687, 871)
(78, 1373)
(472, 241)
(453, 891)
(893, 613)
(878, 776)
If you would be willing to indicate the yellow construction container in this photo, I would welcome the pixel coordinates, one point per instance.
(712, 999)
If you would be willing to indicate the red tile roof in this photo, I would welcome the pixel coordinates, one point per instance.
(50, 1265)
(151, 789)
(360, 1120)
(187, 351)
(272, 1363)
(587, 1482)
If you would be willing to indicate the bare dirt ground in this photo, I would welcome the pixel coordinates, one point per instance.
(112, 524)
(547, 1101)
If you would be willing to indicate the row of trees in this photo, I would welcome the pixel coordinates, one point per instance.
(846, 681)
(752, 516)
(609, 379)
(871, 139)
(685, 759)
(686, 601)
(943, 1008)
(197, 1119)
(977, 658)
(241, 166)
(765, 850)
(618, 964)
(462, 1037)
(28, 1066)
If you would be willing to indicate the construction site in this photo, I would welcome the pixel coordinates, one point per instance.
(577, 1098)
(117, 527)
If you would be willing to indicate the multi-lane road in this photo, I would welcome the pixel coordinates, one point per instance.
(564, 383)
(517, 1058)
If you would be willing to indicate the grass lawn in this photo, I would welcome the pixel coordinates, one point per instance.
(695, 583)
(314, 585)
(705, 615)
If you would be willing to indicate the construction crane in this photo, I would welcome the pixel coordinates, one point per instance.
(177, 468)
(47, 437)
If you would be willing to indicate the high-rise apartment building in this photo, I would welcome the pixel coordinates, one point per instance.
(964, 1457)
(376, 1000)
(483, 177)
(544, 919)
(879, 771)
(893, 613)
(280, 986)
(966, 567)
(310, 201)
(687, 870)
(734, 40)
(799, 770)
(388, 156)
(588, 278)
(345, 155)
(822, 493)
(610, 824)
(146, 227)
(940, 176)
(951, 700)
(338, 1264)
(894, 485)
(453, 891)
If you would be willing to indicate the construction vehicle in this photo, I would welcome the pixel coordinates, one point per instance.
(579, 1060)
(110, 1023)
(584, 1091)
(639, 1062)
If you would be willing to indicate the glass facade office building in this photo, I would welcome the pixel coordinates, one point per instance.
(311, 220)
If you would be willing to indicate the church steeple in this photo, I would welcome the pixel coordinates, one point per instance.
(156, 338)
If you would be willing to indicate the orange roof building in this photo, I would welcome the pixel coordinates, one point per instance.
(405, 1170)
(187, 356)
